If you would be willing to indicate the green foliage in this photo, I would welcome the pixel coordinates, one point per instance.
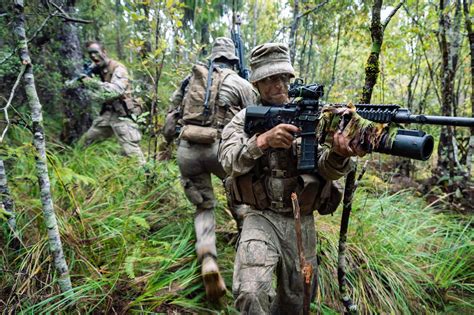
(131, 246)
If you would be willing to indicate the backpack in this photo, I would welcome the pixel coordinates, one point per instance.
(193, 109)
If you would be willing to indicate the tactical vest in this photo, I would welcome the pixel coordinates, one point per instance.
(270, 184)
(125, 105)
(201, 124)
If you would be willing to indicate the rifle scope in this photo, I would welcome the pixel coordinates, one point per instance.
(311, 91)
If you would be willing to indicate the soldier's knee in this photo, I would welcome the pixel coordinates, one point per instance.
(191, 192)
(128, 133)
(206, 205)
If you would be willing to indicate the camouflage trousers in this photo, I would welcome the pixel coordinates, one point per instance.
(126, 131)
(268, 246)
(196, 163)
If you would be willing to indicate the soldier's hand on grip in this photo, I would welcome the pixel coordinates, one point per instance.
(280, 136)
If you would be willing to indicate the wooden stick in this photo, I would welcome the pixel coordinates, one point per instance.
(306, 268)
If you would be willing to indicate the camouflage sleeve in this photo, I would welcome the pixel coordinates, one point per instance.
(237, 152)
(237, 93)
(117, 85)
(332, 166)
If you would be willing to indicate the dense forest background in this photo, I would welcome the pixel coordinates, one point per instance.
(127, 235)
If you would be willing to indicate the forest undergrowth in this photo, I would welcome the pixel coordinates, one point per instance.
(129, 243)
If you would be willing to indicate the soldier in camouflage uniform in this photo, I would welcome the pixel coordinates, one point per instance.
(117, 103)
(197, 161)
(264, 167)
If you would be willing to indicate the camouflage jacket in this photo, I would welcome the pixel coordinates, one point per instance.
(115, 88)
(239, 153)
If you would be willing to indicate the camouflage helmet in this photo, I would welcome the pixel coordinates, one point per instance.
(270, 59)
(223, 47)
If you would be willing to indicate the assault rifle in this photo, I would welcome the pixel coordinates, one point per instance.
(305, 111)
(239, 49)
(88, 69)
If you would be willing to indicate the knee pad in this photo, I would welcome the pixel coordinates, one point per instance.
(191, 192)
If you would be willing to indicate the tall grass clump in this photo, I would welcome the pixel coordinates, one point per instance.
(129, 242)
(403, 258)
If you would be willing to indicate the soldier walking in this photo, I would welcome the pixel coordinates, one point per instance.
(205, 102)
(264, 167)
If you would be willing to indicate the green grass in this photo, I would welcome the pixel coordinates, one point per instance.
(130, 245)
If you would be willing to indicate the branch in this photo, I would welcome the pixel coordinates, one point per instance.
(279, 32)
(66, 16)
(312, 10)
(299, 17)
(389, 17)
(43, 24)
(12, 93)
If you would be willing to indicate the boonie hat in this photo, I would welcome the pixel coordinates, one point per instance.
(223, 47)
(270, 59)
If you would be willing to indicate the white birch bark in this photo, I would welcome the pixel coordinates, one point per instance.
(55, 244)
(7, 201)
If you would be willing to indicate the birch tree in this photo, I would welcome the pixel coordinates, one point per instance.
(8, 206)
(55, 244)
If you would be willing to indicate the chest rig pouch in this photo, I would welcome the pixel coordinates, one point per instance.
(275, 178)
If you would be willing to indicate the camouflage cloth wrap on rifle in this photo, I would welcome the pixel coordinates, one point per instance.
(370, 134)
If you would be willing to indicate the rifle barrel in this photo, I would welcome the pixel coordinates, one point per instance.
(385, 113)
(434, 120)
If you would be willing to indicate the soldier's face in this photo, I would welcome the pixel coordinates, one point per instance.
(97, 55)
(274, 89)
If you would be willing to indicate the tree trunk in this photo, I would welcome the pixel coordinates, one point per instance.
(55, 244)
(254, 24)
(205, 39)
(154, 125)
(449, 38)
(294, 29)
(8, 205)
(372, 67)
(77, 107)
(118, 29)
(303, 49)
(334, 64)
(470, 35)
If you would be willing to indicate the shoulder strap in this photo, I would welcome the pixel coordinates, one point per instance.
(208, 89)
(184, 84)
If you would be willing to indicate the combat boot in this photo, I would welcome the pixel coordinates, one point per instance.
(213, 281)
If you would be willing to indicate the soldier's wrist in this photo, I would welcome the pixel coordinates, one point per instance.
(253, 149)
(262, 141)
